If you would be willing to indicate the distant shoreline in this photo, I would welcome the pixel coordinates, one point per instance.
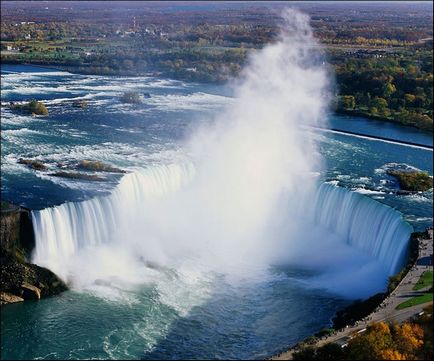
(358, 113)
(72, 69)
(355, 113)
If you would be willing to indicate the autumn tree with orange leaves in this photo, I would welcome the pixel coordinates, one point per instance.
(382, 341)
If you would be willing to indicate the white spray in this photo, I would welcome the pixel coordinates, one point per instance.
(234, 209)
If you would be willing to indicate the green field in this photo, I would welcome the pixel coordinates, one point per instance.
(418, 300)
(424, 281)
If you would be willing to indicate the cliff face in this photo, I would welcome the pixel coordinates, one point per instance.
(16, 230)
(20, 279)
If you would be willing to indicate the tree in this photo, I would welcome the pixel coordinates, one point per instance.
(347, 102)
(409, 98)
(408, 338)
(412, 69)
(373, 111)
(385, 112)
(369, 345)
(419, 101)
(391, 355)
(389, 89)
(379, 103)
(426, 321)
(307, 353)
(331, 351)
(128, 64)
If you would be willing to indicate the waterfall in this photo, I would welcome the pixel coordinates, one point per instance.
(62, 231)
(375, 228)
(240, 206)
(130, 212)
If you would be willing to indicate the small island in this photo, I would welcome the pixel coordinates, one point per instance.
(412, 181)
(97, 166)
(80, 104)
(80, 170)
(33, 164)
(131, 98)
(33, 107)
(77, 175)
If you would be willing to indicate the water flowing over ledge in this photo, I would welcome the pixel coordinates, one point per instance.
(371, 226)
(61, 232)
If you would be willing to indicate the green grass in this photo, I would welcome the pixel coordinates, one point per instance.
(424, 281)
(418, 300)
(4, 205)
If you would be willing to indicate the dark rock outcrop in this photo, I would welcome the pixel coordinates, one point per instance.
(85, 167)
(412, 181)
(27, 281)
(30, 292)
(33, 164)
(32, 107)
(97, 166)
(77, 175)
(20, 279)
(130, 98)
(8, 298)
(80, 104)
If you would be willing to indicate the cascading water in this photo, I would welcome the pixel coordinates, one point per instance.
(375, 228)
(62, 231)
(240, 207)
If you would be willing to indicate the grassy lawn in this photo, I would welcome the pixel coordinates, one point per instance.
(427, 297)
(424, 281)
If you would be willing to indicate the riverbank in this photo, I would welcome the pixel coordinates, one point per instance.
(410, 120)
(84, 70)
(388, 309)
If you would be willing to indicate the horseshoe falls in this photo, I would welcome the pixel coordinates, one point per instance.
(127, 219)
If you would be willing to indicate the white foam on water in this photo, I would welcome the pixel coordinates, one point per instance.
(368, 191)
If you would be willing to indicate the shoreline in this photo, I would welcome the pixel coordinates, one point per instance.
(384, 310)
(71, 69)
(363, 114)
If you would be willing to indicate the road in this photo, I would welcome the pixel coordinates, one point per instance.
(386, 311)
